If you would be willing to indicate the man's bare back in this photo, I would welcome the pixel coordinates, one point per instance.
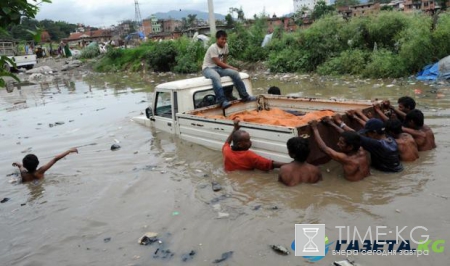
(356, 166)
(423, 136)
(294, 173)
(407, 147)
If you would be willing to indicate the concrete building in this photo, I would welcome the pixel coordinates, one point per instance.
(427, 6)
(147, 26)
(170, 25)
(364, 9)
(156, 26)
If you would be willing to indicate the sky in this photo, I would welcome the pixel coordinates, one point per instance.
(98, 13)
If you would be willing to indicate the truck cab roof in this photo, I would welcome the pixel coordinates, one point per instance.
(198, 83)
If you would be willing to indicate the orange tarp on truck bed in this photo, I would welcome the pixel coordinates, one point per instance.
(275, 117)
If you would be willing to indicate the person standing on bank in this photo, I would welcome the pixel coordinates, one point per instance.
(215, 66)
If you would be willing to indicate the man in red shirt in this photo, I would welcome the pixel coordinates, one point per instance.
(239, 157)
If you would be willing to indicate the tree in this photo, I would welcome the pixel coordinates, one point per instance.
(11, 13)
(239, 13)
(342, 3)
(300, 14)
(184, 24)
(192, 20)
(387, 8)
(229, 21)
(321, 9)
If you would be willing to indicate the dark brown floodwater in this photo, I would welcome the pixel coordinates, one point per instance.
(158, 183)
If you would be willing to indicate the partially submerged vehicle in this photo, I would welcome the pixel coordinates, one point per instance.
(11, 50)
(188, 108)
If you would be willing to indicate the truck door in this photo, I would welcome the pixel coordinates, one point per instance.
(164, 111)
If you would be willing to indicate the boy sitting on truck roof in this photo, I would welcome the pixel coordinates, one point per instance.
(239, 157)
(298, 171)
(215, 66)
(353, 158)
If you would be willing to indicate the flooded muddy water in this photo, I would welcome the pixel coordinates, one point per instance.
(92, 207)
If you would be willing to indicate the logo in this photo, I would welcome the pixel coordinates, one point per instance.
(315, 258)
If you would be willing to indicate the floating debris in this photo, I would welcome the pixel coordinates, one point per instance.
(225, 256)
(216, 186)
(189, 256)
(59, 123)
(343, 263)
(106, 240)
(280, 249)
(148, 238)
(257, 207)
(115, 147)
(222, 215)
(4, 200)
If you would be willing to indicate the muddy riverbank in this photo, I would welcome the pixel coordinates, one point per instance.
(92, 207)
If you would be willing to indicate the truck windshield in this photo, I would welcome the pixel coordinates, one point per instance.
(163, 104)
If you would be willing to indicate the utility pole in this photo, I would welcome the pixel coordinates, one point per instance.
(212, 18)
(137, 16)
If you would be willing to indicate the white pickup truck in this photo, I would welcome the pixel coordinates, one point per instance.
(185, 108)
(9, 49)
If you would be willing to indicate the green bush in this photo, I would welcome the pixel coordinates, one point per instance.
(441, 37)
(385, 64)
(90, 52)
(321, 41)
(348, 62)
(331, 45)
(415, 46)
(288, 61)
(162, 57)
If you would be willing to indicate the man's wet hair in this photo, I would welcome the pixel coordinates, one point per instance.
(237, 136)
(394, 126)
(274, 90)
(299, 147)
(352, 138)
(221, 33)
(416, 116)
(30, 162)
(407, 102)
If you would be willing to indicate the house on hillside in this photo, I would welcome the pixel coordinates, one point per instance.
(364, 9)
(427, 6)
(81, 39)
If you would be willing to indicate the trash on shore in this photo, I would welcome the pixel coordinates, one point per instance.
(280, 249)
(148, 238)
(224, 257)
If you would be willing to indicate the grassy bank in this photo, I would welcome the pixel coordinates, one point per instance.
(389, 44)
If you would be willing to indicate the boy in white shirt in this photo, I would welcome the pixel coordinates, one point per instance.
(215, 66)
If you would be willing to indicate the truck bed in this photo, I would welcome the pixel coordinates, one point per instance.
(268, 140)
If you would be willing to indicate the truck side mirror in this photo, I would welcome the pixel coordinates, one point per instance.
(148, 112)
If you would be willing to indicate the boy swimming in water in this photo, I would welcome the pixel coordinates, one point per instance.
(28, 167)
